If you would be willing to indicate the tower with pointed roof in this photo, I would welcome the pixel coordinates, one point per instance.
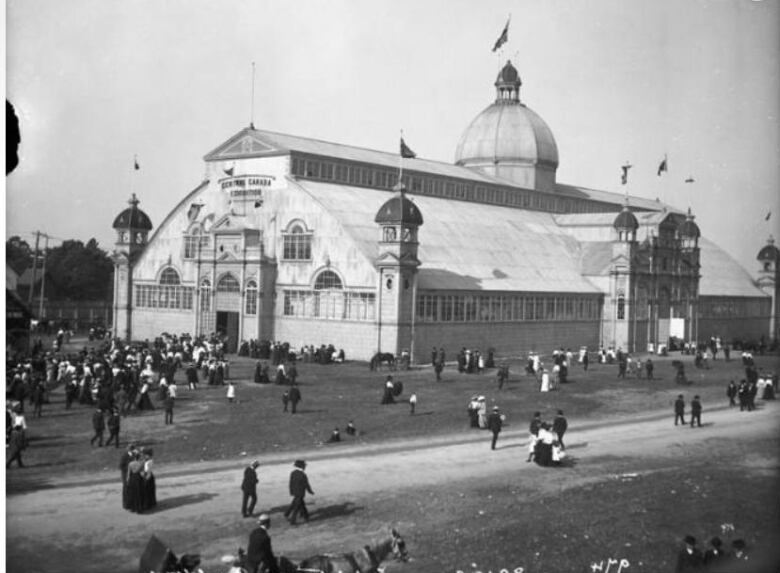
(132, 228)
(769, 281)
(399, 220)
(622, 279)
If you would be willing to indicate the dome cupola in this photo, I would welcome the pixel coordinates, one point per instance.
(689, 232)
(769, 253)
(626, 224)
(132, 225)
(399, 210)
(509, 140)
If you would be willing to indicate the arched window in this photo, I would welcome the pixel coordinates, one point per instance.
(170, 277)
(205, 295)
(251, 297)
(228, 283)
(297, 243)
(621, 307)
(327, 280)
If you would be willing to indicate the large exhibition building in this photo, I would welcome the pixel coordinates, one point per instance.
(310, 242)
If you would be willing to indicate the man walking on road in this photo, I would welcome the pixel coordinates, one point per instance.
(696, 411)
(494, 424)
(299, 485)
(679, 410)
(259, 555)
(559, 426)
(249, 489)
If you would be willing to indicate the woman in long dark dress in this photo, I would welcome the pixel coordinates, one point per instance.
(135, 485)
(145, 402)
(544, 444)
(149, 484)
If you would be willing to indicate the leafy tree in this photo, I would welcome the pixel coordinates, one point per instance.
(18, 254)
(81, 272)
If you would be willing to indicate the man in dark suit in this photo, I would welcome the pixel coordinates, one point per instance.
(494, 424)
(679, 410)
(559, 426)
(259, 555)
(295, 397)
(689, 558)
(299, 485)
(99, 425)
(696, 411)
(249, 488)
(113, 427)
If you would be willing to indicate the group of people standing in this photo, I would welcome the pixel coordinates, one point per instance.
(545, 444)
(139, 489)
(691, 559)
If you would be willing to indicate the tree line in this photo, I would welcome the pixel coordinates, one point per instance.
(74, 270)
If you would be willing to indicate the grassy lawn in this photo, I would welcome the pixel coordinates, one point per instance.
(207, 427)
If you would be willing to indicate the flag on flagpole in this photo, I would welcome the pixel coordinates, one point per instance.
(690, 180)
(504, 37)
(624, 175)
(135, 163)
(406, 153)
(662, 167)
(228, 172)
(769, 214)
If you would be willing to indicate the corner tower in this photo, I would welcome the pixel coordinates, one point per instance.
(769, 281)
(132, 228)
(509, 140)
(399, 220)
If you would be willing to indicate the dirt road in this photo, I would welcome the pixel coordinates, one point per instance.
(200, 503)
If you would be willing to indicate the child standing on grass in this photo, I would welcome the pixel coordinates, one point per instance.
(412, 402)
(231, 392)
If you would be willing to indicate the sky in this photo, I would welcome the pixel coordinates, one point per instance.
(97, 83)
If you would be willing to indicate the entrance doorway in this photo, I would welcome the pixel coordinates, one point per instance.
(227, 324)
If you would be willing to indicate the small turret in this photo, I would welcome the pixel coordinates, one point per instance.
(689, 233)
(626, 225)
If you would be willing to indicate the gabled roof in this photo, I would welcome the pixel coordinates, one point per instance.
(721, 275)
(467, 246)
(596, 258)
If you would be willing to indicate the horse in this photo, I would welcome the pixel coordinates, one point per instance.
(365, 560)
(380, 357)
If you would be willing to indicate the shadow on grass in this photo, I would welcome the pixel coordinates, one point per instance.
(26, 485)
(333, 511)
(179, 501)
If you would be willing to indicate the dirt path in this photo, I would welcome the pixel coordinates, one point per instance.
(206, 496)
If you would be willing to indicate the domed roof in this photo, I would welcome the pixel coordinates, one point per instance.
(626, 220)
(769, 252)
(688, 228)
(399, 209)
(507, 132)
(133, 217)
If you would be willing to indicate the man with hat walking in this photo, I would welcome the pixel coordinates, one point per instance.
(299, 485)
(249, 489)
(494, 424)
(679, 410)
(259, 555)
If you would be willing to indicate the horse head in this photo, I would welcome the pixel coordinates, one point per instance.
(398, 545)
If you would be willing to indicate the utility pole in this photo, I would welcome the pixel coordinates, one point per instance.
(43, 277)
(34, 268)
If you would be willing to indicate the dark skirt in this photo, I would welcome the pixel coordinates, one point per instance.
(149, 492)
(135, 492)
(543, 454)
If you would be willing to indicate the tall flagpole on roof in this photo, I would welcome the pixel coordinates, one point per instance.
(252, 104)
(401, 167)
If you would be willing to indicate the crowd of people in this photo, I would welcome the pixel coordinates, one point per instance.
(281, 352)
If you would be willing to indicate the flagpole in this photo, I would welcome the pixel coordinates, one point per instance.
(252, 105)
(401, 164)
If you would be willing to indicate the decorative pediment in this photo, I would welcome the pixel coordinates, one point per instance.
(621, 261)
(226, 256)
(230, 224)
(247, 143)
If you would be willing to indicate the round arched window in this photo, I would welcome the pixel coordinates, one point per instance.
(228, 283)
(170, 277)
(327, 280)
